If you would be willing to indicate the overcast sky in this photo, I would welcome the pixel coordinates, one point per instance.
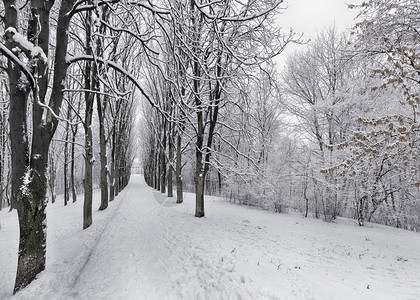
(311, 16)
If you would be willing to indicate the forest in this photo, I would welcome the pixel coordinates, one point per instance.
(188, 93)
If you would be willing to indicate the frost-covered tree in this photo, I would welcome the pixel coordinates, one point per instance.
(220, 40)
(319, 92)
(384, 149)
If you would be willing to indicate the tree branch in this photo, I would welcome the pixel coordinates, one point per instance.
(12, 57)
(123, 71)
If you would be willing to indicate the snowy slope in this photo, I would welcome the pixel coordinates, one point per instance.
(146, 247)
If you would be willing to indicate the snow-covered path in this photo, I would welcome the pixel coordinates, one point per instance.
(131, 258)
(144, 246)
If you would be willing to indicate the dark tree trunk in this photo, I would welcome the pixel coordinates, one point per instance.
(178, 170)
(305, 196)
(155, 171)
(171, 158)
(163, 161)
(2, 155)
(158, 167)
(112, 165)
(32, 229)
(199, 190)
(73, 165)
(117, 169)
(17, 110)
(66, 160)
(199, 168)
(51, 179)
(88, 193)
(90, 78)
(102, 153)
(219, 181)
(101, 109)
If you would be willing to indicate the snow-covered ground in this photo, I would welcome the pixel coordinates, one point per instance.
(144, 246)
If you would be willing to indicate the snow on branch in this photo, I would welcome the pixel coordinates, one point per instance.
(11, 56)
(235, 18)
(19, 41)
(79, 7)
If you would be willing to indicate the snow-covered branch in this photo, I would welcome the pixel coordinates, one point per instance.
(19, 41)
(11, 56)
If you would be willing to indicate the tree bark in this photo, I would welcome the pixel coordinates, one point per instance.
(51, 178)
(2, 154)
(159, 168)
(32, 229)
(90, 78)
(199, 168)
(163, 161)
(112, 165)
(178, 170)
(17, 110)
(88, 194)
(171, 158)
(199, 190)
(102, 153)
(66, 160)
(117, 169)
(72, 165)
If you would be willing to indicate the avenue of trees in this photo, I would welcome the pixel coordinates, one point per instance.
(68, 87)
(332, 134)
(190, 87)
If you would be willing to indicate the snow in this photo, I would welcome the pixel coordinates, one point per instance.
(38, 52)
(144, 246)
(15, 37)
(26, 180)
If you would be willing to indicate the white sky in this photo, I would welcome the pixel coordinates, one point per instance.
(311, 16)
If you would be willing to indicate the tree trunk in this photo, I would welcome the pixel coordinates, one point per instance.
(90, 78)
(199, 190)
(102, 154)
(51, 179)
(72, 180)
(66, 160)
(17, 110)
(119, 173)
(88, 194)
(219, 181)
(163, 161)
(305, 196)
(2, 154)
(171, 158)
(101, 109)
(199, 168)
(117, 169)
(156, 171)
(112, 166)
(158, 167)
(178, 170)
(32, 228)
